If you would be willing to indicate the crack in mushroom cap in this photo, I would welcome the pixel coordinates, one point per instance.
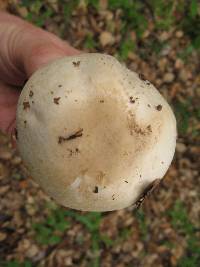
(110, 147)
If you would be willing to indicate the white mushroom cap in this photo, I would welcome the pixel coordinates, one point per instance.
(94, 134)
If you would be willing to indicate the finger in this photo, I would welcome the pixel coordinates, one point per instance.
(8, 104)
(25, 48)
(43, 53)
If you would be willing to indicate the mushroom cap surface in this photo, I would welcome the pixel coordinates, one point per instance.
(93, 133)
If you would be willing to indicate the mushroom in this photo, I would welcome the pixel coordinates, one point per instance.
(97, 136)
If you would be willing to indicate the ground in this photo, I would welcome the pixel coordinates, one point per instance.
(161, 40)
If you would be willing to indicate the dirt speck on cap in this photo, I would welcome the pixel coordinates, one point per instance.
(31, 93)
(142, 77)
(96, 189)
(159, 107)
(74, 135)
(56, 100)
(149, 128)
(76, 64)
(16, 134)
(132, 100)
(26, 105)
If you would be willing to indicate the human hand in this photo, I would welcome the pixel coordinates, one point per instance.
(23, 49)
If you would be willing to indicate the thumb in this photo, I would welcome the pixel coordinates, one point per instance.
(25, 48)
(45, 49)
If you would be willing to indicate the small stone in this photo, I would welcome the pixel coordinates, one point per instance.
(32, 251)
(181, 148)
(179, 34)
(184, 75)
(127, 247)
(133, 36)
(3, 171)
(168, 77)
(30, 200)
(162, 63)
(158, 82)
(30, 210)
(39, 256)
(5, 153)
(106, 38)
(23, 245)
(16, 160)
(2, 236)
(4, 189)
(164, 36)
(108, 15)
(68, 261)
(166, 50)
(103, 4)
(146, 34)
(179, 64)
(23, 12)
(54, 5)
(17, 220)
(175, 88)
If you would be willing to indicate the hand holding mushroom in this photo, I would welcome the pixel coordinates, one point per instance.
(23, 49)
(93, 134)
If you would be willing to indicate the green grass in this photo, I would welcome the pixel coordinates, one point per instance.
(181, 222)
(163, 13)
(185, 53)
(68, 8)
(184, 111)
(93, 3)
(153, 46)
(143, 226)
(126, 46)
(135, 16)
(191, 22)
(180, 219)
(39, 11)
(156, 46)
(108, 242)
(49, 231)
(132, 17)
(182, 115)
(89, 42)
(91, 221)
(123, 235)
(15, 263)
